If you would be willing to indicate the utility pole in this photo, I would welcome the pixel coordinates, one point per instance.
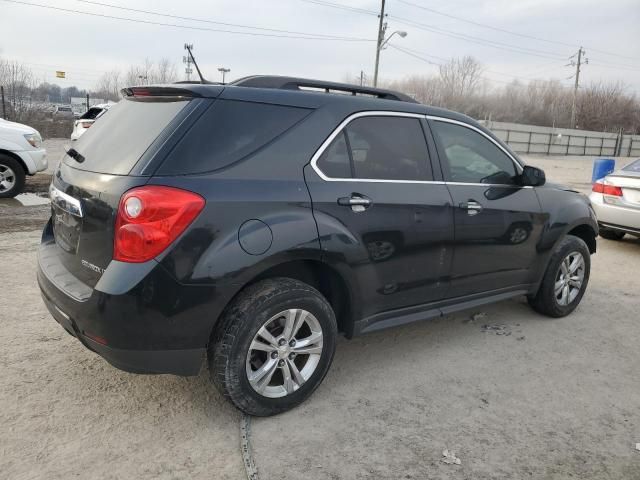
(382, 26)
(187, 60)
(361, 78)
(577, 64)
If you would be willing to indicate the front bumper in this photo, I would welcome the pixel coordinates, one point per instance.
(34, 160)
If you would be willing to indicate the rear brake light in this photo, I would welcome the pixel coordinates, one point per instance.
(86, 124)
(150, 218)
(607, 189)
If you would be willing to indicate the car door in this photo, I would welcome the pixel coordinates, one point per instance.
(497, 221)
(380, 214)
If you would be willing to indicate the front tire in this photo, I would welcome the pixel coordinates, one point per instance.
(273, 346)
(12, 177)
(565, 280)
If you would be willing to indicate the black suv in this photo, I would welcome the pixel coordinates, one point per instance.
(256, 221)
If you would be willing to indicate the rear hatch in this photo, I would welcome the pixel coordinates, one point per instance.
(115, 155)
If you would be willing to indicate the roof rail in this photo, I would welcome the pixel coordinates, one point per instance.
(293, 83)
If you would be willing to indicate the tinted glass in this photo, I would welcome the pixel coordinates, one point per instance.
(115, 143)
(228, 132)
(633, 167)
(388, 148)
(471, 157)
(334, 162)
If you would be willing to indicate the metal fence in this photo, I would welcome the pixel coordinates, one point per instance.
(562, 141)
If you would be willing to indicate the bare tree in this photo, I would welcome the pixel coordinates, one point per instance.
(109, 86)
(19, 82)
(165, 72)
(460, 77)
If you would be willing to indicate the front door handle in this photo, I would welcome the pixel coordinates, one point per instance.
(357, 202)
(472, 207)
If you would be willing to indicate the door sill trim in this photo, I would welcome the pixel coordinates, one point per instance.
(427, 311)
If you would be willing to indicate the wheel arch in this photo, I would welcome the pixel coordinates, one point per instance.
(17, 158)
(328, 280)
(587, 233)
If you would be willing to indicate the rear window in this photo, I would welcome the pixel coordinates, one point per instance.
(91, 114)
(228, 132)
(115, 143)
(633, 167)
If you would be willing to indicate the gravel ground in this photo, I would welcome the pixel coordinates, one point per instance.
(525, 397)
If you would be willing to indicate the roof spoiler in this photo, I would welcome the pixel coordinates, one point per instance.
(161, 91)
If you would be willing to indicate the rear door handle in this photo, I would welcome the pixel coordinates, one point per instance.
(472, 207)
(357, 202)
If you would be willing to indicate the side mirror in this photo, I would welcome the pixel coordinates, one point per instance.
(532, 176)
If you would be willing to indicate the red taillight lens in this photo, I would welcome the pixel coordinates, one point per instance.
(150, 218)
(86, 124)
(607, 189)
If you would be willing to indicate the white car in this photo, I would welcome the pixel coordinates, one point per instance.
(616, 201)
(21, 154)
(86, 119)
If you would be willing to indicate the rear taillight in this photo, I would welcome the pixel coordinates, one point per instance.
(150, 218)
(86, 124)
(605, 189)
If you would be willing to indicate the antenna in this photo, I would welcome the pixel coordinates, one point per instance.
(191, 59)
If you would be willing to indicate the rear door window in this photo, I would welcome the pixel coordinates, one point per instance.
(115, 143)
(378, 148)
(228, 132)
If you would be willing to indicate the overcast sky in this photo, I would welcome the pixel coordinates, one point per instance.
(85, 46)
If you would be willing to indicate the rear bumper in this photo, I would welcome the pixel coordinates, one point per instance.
(155, 326)
(608, 214)
(178, 362)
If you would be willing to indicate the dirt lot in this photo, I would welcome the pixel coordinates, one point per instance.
(544, 399)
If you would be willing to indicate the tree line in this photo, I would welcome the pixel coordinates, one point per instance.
(459, 85)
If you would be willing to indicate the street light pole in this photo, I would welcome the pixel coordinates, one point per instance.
(224, 71)
(382, 26)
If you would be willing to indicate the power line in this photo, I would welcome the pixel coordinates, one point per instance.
(423, 58)
(187, 27)
(478, 40)
(342, 7)
(194, 19)
(448, 33)
(497, 29)
(484, 25)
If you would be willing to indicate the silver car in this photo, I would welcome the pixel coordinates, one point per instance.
(616, 201)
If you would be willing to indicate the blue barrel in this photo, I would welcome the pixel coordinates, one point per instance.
(602, 167)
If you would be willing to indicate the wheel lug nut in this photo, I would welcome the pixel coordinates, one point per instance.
(281, 363)
(274, 354)
(292, 343)
(281, 342)
(292, 356)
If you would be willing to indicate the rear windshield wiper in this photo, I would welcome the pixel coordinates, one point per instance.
(73, 153)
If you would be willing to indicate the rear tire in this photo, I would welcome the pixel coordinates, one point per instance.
(12, 177)
(611, 234)
(558, 294)
(260, 372)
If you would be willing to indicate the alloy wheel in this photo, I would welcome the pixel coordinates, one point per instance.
(284, 353)
(7, 178)
(569, 278)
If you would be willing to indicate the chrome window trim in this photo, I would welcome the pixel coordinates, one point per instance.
(65, 202)
(338, 130)
(376, 113)
(519, 166)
